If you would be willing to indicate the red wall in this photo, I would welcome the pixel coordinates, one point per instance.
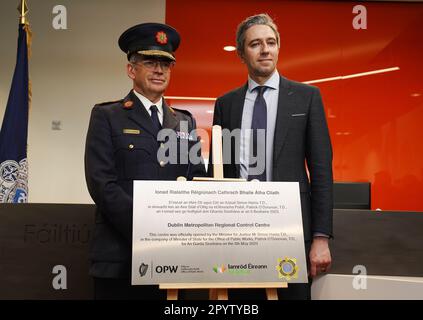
(375, 121)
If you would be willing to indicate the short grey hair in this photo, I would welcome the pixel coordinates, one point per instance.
(259, 19)
(135, 58)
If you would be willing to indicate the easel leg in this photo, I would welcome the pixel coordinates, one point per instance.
(212, 294)
(172, 294)
(218, 294)
(222, 294)
(272, 294)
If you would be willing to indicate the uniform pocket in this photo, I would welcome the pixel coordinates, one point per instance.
(133, 152)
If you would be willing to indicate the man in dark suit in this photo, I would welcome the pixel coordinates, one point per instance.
(291, 116)
(122, 146)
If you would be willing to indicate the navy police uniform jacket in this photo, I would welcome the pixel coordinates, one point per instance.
(121, 147)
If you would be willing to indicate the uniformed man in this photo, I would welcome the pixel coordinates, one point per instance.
(122, 146)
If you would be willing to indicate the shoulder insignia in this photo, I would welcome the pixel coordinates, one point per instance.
(109, 102)
(186, 112)
(128, 104)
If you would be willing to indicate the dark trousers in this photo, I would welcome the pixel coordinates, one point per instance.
(121, 289)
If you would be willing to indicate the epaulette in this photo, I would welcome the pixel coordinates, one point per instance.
(186, 112)
(189, 114)
(109, 102)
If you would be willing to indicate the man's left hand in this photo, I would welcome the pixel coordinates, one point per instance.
(320, 258)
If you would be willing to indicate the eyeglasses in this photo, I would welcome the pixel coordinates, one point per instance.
(153, 64)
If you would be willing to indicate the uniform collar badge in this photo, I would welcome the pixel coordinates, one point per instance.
(128, 104)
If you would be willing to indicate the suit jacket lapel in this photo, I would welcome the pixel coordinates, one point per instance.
(286, 106)
(236, 118)
(139, 114)
(238, 107)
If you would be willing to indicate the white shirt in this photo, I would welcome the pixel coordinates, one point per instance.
(271, 96)
(147, 104)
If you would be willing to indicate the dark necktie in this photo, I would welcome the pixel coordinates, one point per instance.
(258, 122)
(155, 118)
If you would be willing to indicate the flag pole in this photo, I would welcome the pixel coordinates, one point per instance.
(23, 9)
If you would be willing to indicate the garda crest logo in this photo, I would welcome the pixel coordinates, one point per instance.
(287, 268)
(13, 181)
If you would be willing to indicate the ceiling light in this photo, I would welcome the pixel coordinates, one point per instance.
(229, 48)
(190, 98)
(354, 75)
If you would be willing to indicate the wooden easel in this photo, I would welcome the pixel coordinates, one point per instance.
(219, 291)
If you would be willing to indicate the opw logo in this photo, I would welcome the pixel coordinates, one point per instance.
(166, 269)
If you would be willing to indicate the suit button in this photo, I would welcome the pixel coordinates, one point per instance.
(131, 146)
(162, 163)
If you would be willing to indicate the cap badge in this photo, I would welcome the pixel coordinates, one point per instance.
(161, 37)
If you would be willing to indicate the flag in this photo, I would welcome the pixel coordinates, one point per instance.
(14, 130)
